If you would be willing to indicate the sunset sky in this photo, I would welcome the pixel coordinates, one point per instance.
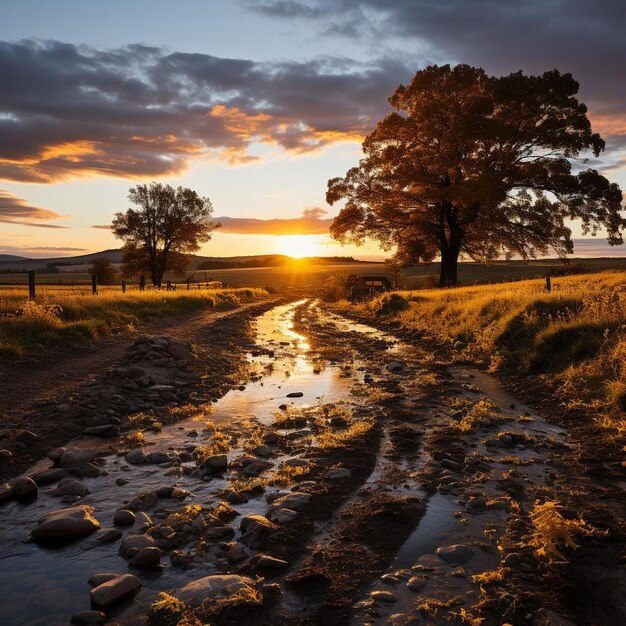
(255, 104)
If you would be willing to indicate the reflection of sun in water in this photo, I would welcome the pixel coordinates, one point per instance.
(299, 246)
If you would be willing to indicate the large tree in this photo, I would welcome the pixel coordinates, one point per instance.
(478, 166)
(166, 228)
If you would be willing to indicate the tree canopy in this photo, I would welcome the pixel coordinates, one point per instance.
(169, 225)
(103, 270)
(479, 166)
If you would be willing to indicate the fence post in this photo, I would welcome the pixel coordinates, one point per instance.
(142, 282)
(123, 286)
(548, 283)
(187, 284)
(168, 285)
(31, 285)
(94, 285)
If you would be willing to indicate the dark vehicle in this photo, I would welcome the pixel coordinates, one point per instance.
(364, 287)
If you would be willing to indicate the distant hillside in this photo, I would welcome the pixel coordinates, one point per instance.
(11, 263)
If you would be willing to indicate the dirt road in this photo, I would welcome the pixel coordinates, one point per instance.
(346, 478)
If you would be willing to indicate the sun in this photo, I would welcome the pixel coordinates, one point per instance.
(298, 246)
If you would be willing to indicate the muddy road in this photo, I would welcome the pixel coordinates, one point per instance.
(346, 477)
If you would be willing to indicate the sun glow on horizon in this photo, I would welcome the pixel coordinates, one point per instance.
(298, 246)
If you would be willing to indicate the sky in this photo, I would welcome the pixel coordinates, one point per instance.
(254, 104)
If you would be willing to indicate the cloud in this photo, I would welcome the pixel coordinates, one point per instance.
(57, 249)
(102, 226)
(138, 111)
(311, 223)
(37, 251)
(577, 36)
(14, 210)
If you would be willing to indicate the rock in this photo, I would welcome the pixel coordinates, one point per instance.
(26, 437)
(416, 583)
(105, 430)
(5, 455)
(25, 489)
(256, 467)
(88, 470)
(282, 516)
(452, 465)
(72, 457)
(6, 492)
(237, 554)
(158, 457)
(88, 618)
(211, 588)
(336, 473)
(108, 536)
(146, 558)
(98, 579)
(136, 457)
(115, 591)
(66, 525)
(217, 462)
(456, 554)
(255, 529)
(55, 455)
(132, 544)
(295, 501)
(49, 476)
(506, 440)
(265, 561)
(123, 517)
(512, 560)
(296, 463)
(295, 394)
(383, 596)
(263, 451)
(71, 487)
(395, 366)
(221, 533)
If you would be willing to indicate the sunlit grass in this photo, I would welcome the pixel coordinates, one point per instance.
(72, 312)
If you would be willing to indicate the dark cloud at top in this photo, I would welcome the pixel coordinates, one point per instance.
(69, 110)
(586, 38)
(14, 210)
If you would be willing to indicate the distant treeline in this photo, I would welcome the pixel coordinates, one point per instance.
(271, 261)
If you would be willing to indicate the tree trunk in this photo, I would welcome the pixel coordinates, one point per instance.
(449, 265)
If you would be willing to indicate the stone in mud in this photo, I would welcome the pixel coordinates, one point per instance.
(115, 591)
(6, 492)
(282, 516)
(108, 536)
(255, 529)
(26, 437)
(296, 463)
(456, 554)
(451, 465)
(98, 579)
(88, 470)
(383, 596)
(212, 588)
(136, 457)
(25, 489)
(416, 583)
(123, 517)
(132, 544)
(70, 487)
(237, 554)
(295, 394)
(479, 503)
(256, 467)
(336, 473)
(266, 561)
(512, 560)
(88, 618)
(49, 476)
(220, 533)
(104, 430)
(71, 457)
(158, 457)
(263, 451)
(146, 558)
(217, 462)
(65, 525)
(295, 501)
(5, 455)
(395, 366)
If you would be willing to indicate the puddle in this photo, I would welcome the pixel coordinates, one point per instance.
(45, 587)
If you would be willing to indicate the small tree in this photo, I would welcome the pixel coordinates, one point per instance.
(168, 227)
(104, 271)
(476, 165)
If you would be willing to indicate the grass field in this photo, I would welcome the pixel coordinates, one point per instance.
(573, 337)
(64, 313)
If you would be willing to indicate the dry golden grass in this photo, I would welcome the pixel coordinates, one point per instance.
(72, 312)
(552, 533)
(480, 414)
(573, 337)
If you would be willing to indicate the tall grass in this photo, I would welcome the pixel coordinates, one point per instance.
(71, 313)
(573, 337)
